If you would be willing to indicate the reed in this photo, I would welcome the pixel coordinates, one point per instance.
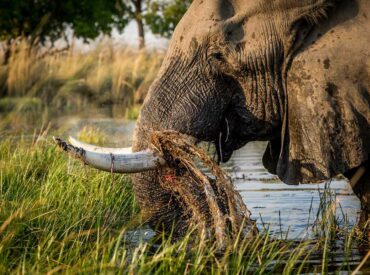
(113, 77)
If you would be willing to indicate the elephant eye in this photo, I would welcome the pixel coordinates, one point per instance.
(218, 56)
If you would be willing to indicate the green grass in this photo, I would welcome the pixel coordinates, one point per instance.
(56, 213)
(57, 216)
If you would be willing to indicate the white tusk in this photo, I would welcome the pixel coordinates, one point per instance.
(112, 161)
(98, 149)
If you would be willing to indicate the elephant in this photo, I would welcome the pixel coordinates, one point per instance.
(294, 73)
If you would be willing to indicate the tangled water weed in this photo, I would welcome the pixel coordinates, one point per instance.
(57, 216)
(210, 203)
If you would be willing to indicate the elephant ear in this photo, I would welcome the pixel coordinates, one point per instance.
(326, 129)
(324, 136)
(327, 132)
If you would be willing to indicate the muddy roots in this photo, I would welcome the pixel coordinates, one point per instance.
(209, 203)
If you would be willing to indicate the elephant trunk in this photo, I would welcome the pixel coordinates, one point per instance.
(159, 208)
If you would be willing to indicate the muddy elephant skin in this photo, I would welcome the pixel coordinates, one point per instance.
(291, 72)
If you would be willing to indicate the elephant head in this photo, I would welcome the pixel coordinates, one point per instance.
(243, 70)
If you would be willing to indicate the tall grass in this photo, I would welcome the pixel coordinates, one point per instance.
(111, 77)
(57, 216)
(53, 213)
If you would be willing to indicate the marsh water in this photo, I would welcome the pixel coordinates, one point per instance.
(288, 211)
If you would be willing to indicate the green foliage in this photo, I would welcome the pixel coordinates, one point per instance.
(40, 20)
(163, 15)
(43, 21)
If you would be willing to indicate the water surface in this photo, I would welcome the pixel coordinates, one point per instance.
(288, 210)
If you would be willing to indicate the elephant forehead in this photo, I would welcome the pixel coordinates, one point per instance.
(210, 10)
(204, 17)
(219, 19)
(230, 21)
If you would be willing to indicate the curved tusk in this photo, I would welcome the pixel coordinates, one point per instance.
(98, 149)
(113, 162)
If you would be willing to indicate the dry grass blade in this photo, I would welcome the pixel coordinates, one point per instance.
(15, 215)
(364, 260)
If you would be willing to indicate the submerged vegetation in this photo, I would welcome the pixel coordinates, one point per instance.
(36, 86)
(58, 216)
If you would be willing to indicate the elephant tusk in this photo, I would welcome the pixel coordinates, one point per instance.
(98, 149)
(102, 159)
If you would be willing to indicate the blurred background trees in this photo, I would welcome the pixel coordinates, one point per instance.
(163, 16)
(160, 16)
(43, 22)
(46, 21)
(44, 73)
